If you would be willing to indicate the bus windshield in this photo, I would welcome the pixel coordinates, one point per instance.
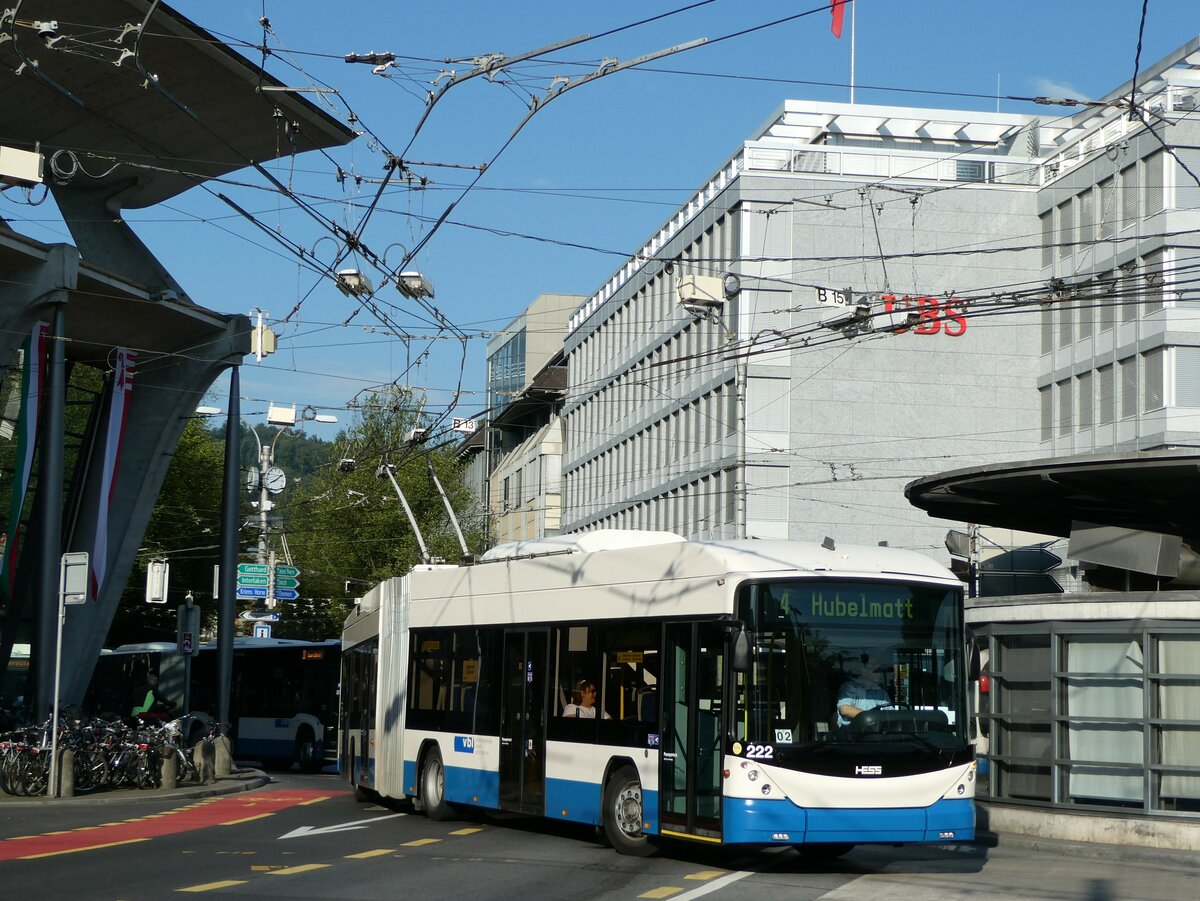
(852, 661)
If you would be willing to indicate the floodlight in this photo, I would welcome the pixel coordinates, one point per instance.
(413, 284)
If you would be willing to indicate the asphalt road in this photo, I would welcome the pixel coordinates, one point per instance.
(278, 842)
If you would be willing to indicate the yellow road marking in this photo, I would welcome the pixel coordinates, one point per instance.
(257, 816)
(706, 874)
(212, 886)
(302, 868)
(421, 841)
(363, 855)
(128, 841)
(468, 831)
(665, 892)
(315, 800)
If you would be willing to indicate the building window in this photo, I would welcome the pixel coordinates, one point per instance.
(1128, 372)
(1129, 196)
(1064, 230)
(1152, 380)
(1152, 281)
(1129, 291)
(1086, 400)
(1155, 187)
(1106, 718)
(1047, 238)
(1047, 329)
(1064, 407)
(1187, 380)
(1047, 398)
(1087, 219)
(1106, 301)
(1022, 743)
(1065, 322)
(1108, 208)
(1102, 685)
(1084, 307)
(1105, 396)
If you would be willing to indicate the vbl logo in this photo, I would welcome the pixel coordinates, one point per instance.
(948, 317)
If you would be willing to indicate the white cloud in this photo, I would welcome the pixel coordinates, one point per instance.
(1047, 88)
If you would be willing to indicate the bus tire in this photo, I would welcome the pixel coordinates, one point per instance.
(310, 753)
(623, 814)
(824, 851)
(433, 787)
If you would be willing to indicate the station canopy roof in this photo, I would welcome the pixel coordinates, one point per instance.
(171, 103)
(1154, 491)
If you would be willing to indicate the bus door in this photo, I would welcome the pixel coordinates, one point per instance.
(523, 721)
(692, 730)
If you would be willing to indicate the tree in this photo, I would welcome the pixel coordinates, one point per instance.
(346, 524)
(185, 528)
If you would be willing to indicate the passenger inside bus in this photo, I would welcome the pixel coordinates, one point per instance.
(862, 691)
(583, 701)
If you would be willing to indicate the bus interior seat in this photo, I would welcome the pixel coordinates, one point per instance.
(648, 706)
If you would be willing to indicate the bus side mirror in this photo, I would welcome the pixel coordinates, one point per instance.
(741, 652)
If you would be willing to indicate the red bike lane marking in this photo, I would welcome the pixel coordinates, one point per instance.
(226, 811)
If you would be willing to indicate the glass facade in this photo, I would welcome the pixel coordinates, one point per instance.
(1095, 715)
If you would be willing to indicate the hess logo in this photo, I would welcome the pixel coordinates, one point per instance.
(868, 771)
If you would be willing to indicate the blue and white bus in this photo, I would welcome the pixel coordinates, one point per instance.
(282, 701)
(729, 705)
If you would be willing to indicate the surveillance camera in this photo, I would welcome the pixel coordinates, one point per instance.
(347, 464)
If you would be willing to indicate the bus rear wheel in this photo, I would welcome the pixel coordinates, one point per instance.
(310, 753)
(623, 814)
(433, 787)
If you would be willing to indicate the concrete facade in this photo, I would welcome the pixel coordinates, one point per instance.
(751, 417)
(1121, 338)
(518, 472)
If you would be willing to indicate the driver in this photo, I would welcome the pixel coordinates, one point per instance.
(862, 691)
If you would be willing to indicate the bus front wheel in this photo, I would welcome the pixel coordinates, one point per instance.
(623, 814)
(433, 787)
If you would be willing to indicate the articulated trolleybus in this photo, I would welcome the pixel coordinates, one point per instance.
(743, 692)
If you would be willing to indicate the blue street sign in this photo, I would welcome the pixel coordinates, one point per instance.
(245, 591)
(262, 630)
(286, 594)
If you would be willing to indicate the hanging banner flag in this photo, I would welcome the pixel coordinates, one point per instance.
(838, 9)
(118, 415)
(33, 372)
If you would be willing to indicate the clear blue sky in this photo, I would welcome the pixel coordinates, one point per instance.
(601, 167)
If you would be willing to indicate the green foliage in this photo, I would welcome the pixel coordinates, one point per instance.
(341, 527)
(351, 526)
(184, 528)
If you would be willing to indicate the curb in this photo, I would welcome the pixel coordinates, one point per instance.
(239, 781)
(1094, 850)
